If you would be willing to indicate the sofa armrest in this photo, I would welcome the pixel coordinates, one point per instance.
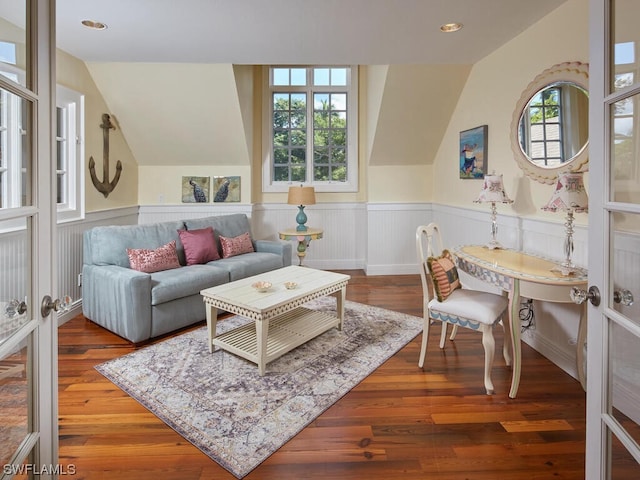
(119, 299)
(283, 249)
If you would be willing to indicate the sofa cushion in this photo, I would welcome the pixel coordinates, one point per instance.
(236, 245)
(185, 281)
(149, 261)
(107, 245)
(249, 264)
(199, 245)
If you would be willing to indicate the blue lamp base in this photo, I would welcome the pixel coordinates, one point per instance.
(301, 218)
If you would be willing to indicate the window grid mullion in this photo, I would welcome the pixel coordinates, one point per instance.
(320, 142)
(311, 161)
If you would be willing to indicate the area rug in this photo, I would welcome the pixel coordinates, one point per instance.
(219, 402)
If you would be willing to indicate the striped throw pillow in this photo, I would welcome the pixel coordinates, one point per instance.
(444, 275)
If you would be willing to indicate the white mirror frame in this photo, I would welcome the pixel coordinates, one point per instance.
(570, 72)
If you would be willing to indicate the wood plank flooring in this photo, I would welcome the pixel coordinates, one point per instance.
(401, 422)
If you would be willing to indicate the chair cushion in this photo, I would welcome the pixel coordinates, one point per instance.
(474, 305)
(444, 275)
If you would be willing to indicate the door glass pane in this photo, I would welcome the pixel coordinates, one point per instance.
(623, 465)
(13, 51)
(625, 153)
(14, 402)
(624, 337)
(625, 265)
(14, 276)
(14, 384)
(624, 376)
(15, 150)
(626, 38)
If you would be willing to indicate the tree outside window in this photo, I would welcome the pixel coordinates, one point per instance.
(311, 122)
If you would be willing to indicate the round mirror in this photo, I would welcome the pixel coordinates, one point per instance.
(550, 125)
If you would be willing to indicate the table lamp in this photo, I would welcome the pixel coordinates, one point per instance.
(493, 192)
(301, 196)
(570, 196)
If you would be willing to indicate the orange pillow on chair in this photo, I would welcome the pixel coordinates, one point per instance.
(444, 275)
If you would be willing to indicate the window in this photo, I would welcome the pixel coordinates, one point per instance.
(12, 133)
(14, 123)
(69, 154)
(311, 128)
(625, 129)
(13, 171)
(545, 116)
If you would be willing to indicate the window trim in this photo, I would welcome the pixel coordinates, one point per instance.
(73, 102)
(351, 185)
(74, 208)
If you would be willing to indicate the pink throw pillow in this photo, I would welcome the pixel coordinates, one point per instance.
(236, 245)
(199, 245)
(149, 261)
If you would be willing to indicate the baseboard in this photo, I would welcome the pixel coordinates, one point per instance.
(550, 350)
(74, 311)
(348, 264)
(391, 269)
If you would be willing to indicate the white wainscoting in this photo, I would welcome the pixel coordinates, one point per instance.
(391, 234)
(13, 271)
(167, 213)
(380, 239)
(69, 246)
(343, 246)
(555, 327)
(13, 252)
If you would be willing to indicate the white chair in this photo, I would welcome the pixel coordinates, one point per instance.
(472, 309)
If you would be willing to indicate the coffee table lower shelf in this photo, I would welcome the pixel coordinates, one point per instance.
(285, 332)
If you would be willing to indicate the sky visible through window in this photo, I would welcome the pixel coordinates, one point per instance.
(625, 53)
(8, 53)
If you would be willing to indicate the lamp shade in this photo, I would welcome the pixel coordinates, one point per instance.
(570, 194)
(301, 196)
(493, 190)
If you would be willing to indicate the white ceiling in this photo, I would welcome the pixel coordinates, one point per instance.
(366, 32)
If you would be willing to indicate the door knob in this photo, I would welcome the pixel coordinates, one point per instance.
(59, 305)
(15, 308)
(579, 296)
(625, 297)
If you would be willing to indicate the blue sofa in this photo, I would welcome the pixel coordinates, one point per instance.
(139, 306)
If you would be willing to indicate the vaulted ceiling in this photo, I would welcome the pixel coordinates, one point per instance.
(157, 60)
(365, 32)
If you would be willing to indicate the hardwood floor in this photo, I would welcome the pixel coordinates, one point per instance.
(400, 422)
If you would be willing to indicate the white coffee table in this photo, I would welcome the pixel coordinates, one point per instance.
(281, 323)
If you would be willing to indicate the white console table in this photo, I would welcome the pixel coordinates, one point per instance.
(524, 275)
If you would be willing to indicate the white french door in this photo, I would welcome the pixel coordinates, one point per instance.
(28, 338)
(613, 360)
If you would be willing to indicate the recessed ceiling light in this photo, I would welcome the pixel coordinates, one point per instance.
(450, 27)
(94, 25)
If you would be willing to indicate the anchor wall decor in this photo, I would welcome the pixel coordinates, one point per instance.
(105, 186)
